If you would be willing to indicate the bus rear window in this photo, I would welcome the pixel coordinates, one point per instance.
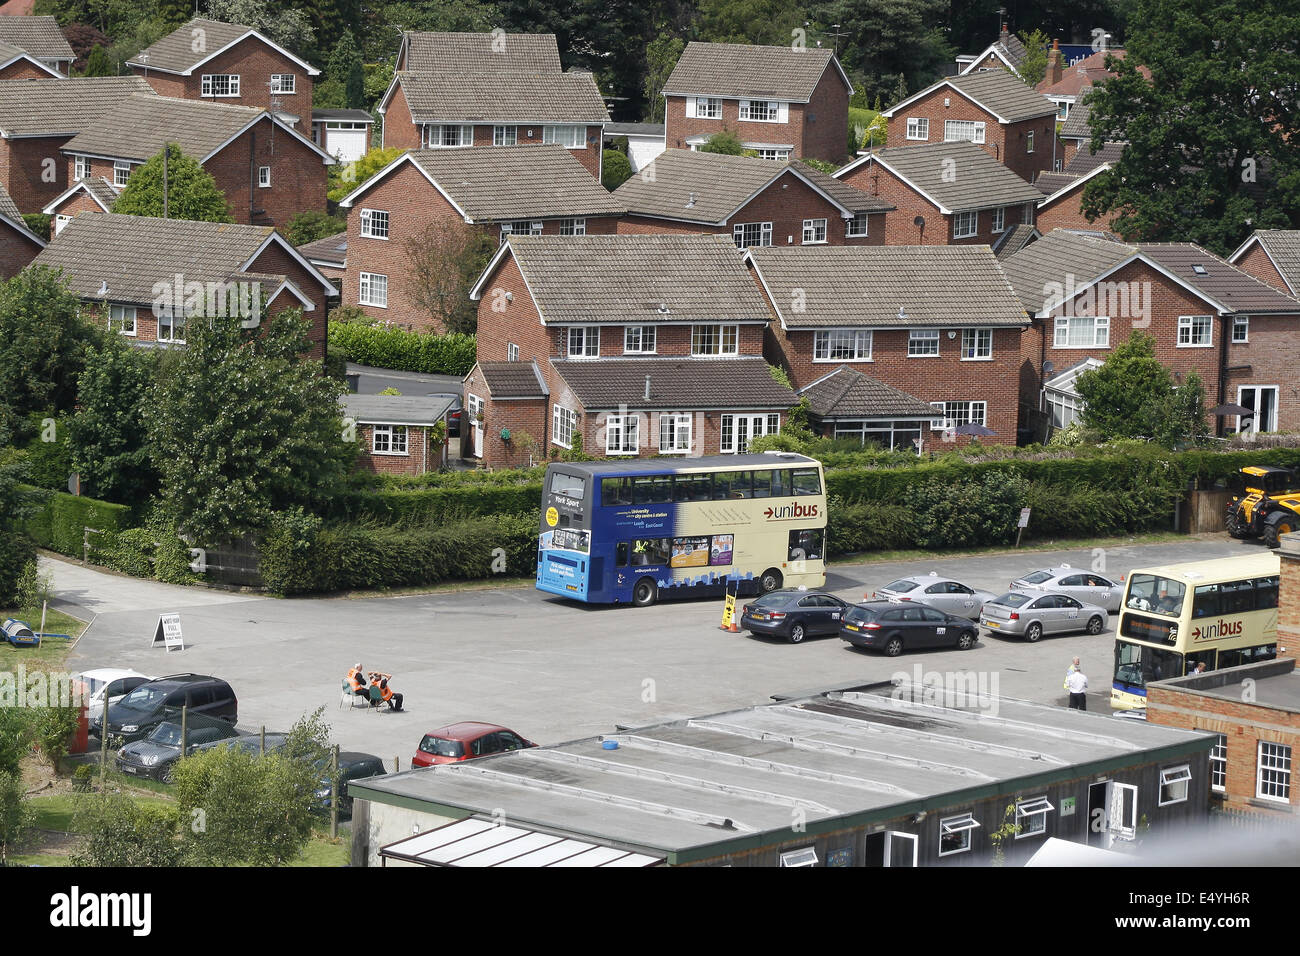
(571, 486)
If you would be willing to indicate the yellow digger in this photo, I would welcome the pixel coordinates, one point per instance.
(1265, 503)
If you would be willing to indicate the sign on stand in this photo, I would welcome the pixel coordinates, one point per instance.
(1022, 524)
(168, 633)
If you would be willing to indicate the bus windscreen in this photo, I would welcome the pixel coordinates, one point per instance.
(1156, 595)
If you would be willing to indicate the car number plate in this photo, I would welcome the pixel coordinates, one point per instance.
(992, 624)
(128, 769)
(851, 627)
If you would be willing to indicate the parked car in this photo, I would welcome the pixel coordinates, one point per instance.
(249, 743)
(140, 711)
(465, 741)
(894, 628)
(113, 682)
(352, 766)
(1032, 615)
(794, 613)
(453, 413)
(940, 593)
(156, 755)
(1086, 586)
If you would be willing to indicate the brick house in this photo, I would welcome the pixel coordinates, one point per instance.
(232, 64)
(787, 103)
(18, 64)
(1208, 317)
(1004, 53)
(18, 244)
(756, 201)
(143, 277)
(1273, 256)
(1066, 86)
(943, 194)
(937, 326)
(41, 39)
(641, 345)
(268, 171)
(993, 109)
(494, 191)
(38, 117)
(1062, 205)
(395, 432)
(92, 194)
(458, 90)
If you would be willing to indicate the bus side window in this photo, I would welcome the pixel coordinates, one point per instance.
(616, 491)
(621, 554)
(780, 483)
(722, 485)
(1266, 592)
(1206, 601)
(806, 482)
(762, 484)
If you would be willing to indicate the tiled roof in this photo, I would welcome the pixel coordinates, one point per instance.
(331, 249)
(1283, 248)
(634, 129)
(1226, 284)
(8, 208)
(675, 383)
(351, 116)
(861, 286)
(177, 53)
(1076, 124)
(847, 393)
(97, 187)
(513, 379)
(396, 409)
(140, 127)
(1015, 238)
(638, 279)
(62, 106)
(740, 70)
(1058, 256)
(480, 53)
(1078, 77)
(500, 183)
(1085, 161)
(503, 98)
(709, 187)
(1048, 183)
(39, 36)
(973, 179)
(998, 91)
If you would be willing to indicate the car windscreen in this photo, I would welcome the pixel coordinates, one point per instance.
(860, 615)
(1012, 599)
(901, 586)
(145, 697)
(1038, 577)
(442, 747)
(168, 734)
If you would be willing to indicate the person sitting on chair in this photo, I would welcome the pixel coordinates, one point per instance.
(386, 693)
(357, 681)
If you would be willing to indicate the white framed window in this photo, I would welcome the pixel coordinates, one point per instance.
(976, 344)
(388, 440)
(121, 173)
(1195, 331)
(842, 345)
(445, 136)
(573, 227)
(918, 127)
(955, 832)
(1031, 815)
(964, 224)
(1027, 214)
(968, 130)
(264, 177)
(856, 227)
(1240, 329)
(1081, 332)
(373, 289)
(1029, 141)
(749, 234)
(1174, 783)
(512, 352)
(171, 328)
(638, 340)
(760, 111)
(121, 318)
(806, 856)
(1000, 219)
(814, 231)
(1273, 772)
(583, 341)
(922, 342)
(706, 107)
(737, 430)
(674, 433)
(505, 135)
(564, 422)
(522, 227)
(622, 434)
(284, 83)
(715, 339)
(572, 137)
(374, 223)
(1219, 764)
(959, 413)
(80, 167)
(219, 84)
(773, 152)
(60, 220)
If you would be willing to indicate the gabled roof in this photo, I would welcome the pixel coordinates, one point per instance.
(1058, 255)
(1014, 238)
(1076, 124)
(516, 98)
(1078, 77)
(142, 124)
(847, 393)
(1066, 183)
(177, 53)
(1007, 48)
(742, 70)
(39, 36)
(1048, 183)
(481, 52)
(11, 54)
(10, 214)
(1002, 94)
(62, 107)
(675, 383)
(501, 183)
(514, 380)
(97, 188)
(130, 254)
(886, 286)
(973, 179)
(710, 187)
(633, 279)
(1282, 246)
(1238, 291)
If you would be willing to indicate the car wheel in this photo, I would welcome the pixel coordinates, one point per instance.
(770, 581)
(796, 634)
(1094, 624)
(645, 592)
(1033, 632)
(894, 647)
(966, 641)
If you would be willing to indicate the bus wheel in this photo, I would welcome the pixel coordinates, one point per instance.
(1033, 632)
(770, 581)
(1094, 625)
(645, 592)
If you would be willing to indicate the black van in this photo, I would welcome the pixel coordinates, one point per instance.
(139, 712)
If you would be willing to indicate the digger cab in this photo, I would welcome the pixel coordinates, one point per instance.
(1264, 480)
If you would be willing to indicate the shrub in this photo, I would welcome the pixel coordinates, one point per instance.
(313, 224)
(452, 354)
(970, 513)
(81, 778)
(61, 519)
(615, 169)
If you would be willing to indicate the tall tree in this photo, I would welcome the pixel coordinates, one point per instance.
(1132, 395)
(192, 193)
(661, 54)
(761, 22)
(1034, 66)
(1212, 131)
(287, 26)
(886, 39)
(444, 261)
(108, 437)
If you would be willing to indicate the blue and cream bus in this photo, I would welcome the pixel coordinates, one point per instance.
(635, 531)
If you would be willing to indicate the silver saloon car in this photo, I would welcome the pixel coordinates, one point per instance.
(1031, 615)
(1086, 586)
(932, 590)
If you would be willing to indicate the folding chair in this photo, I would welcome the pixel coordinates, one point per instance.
(376, 697)
(345, 693)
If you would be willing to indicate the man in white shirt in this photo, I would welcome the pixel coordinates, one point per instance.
(1077, 684)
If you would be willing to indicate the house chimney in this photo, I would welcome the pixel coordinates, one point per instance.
(1054, 70)
(1004, 34)
(647, 388)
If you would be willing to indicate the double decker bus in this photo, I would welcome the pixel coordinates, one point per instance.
(1220, 613)
(635, 531)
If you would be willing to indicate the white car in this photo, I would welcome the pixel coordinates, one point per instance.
(113, 681)
(1086, 586)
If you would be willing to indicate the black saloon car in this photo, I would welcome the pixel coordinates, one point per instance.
(894, 628)
(794, 614)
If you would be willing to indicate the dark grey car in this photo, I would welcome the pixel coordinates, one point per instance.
(157, 755)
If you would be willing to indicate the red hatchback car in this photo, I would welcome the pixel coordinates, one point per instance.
(465, 741)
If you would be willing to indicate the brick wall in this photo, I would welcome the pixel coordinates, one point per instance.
(23, 70)
(826, 119)
(1269, 357)
(678, 128)
(1258, 264)
(414, 462)
(525, 419)
(16, 252)
(1288, 610)
(78, 202)
(274, 260)
(399, 130)
(1067, 213)
(34, 171)
(254, 61)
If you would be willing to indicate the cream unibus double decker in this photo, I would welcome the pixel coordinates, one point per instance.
(1220, 613)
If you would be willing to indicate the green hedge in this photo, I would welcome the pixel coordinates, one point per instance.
(60, 519)
(382, 347)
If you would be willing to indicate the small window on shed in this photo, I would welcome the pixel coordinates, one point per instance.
(1173, 784)
(807, 856)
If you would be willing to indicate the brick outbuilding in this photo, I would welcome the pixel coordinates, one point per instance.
(398, 434)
